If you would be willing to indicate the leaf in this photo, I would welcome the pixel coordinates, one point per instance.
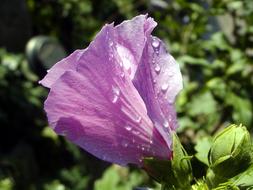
(54, 185)
(218, 87)
(184, 123)
(109, 180)
(202, 147)
(203, 103)
(118, 178)
(244, 179)
(242, 108)
(6, 184)
(193, 60)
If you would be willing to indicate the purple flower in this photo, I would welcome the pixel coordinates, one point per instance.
(115, 98)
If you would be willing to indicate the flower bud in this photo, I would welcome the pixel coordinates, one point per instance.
(181, 164)
(230, 153)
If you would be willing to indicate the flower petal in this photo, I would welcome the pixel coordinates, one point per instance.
(68, 63)
(99, 109)
(158, 81)
(131, 39)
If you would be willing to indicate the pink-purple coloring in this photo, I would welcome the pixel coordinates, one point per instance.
(115, 99)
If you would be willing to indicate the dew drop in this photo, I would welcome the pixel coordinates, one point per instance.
(122, 75)
(142, 148)
(136, 132)
(165, 124)
(157, 68)
(116, 93)
(170, 118)
(128, 128)
(115, 99)
(155, 43)
(124, 143)
(110, 43)
(170, 74)
(164, 87)
(138, 119)
(151, 141)
(120, 64)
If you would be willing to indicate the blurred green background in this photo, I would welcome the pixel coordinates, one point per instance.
(211, 40)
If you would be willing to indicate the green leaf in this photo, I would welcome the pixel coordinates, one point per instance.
(242, 108)
(54, 185)
(6, 184)
(244, 179)
(109, 180)
(184, 123)
(193, 60)
(202, 148)
(119, 178)
(203, 103)
(218, 86)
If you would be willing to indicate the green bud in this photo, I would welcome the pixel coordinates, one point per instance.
(230, 152)
(181, 165)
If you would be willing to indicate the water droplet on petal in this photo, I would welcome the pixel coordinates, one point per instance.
(142, 148)
(115, 99)
(170, 118)
(170, 74)
(116, 93)
(124, 143)
(155, 43)
(122, 75)
(136, 132)
(164, 87)
(165, 124)
(150, 141)
(110, 43)
(128, 128)
(157, 68)
(138, 119)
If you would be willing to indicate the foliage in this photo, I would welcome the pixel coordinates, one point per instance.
(118, 178)
(212, 41)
